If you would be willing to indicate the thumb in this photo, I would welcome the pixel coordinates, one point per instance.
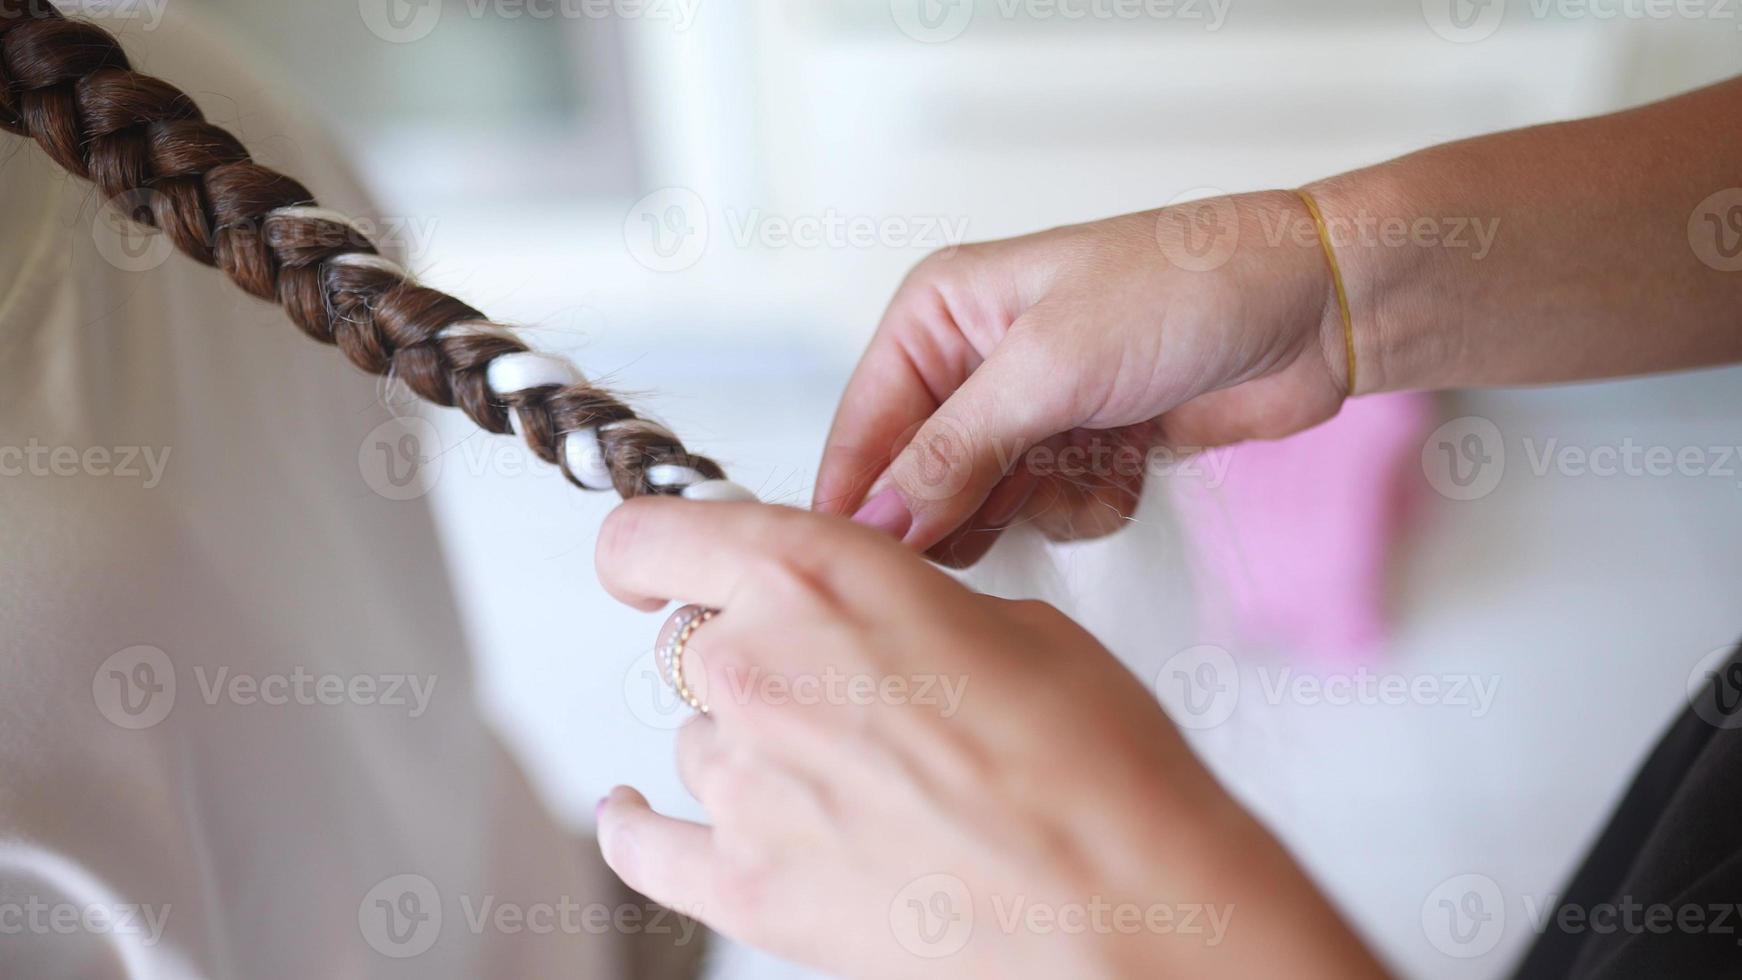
(669, 861)
(968, 446)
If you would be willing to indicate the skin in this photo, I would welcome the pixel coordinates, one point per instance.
(832, 811)
(1099, 332)
(1055, 778)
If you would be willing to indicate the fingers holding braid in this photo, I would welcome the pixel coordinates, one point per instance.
(69, 86)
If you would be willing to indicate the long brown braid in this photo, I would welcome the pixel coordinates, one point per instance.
(67, 85)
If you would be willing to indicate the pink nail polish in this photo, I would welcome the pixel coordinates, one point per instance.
(887, 512)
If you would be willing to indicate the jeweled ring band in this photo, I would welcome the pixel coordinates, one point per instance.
(688, 620)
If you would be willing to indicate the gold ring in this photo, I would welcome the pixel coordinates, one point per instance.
(688, 620)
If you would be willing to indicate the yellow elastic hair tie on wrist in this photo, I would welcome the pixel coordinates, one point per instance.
(1312, 206)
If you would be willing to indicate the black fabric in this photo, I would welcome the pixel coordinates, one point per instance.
(1675, 842)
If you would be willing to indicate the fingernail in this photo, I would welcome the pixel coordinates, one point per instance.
(887, 512)
(599, 808)
(1005, 503)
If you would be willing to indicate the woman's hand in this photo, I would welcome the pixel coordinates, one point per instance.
(1481, 262)
(909, 780)
(1194, 326)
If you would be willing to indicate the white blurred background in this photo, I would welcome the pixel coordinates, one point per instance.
(709, 201)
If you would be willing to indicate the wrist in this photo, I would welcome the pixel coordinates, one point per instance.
(1289, 258)
(1386, 250)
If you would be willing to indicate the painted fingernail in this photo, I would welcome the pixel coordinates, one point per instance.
(887, 512)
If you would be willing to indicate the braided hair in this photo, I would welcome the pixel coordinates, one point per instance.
(68, 86)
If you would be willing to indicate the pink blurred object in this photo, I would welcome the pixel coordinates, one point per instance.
(1294, 538)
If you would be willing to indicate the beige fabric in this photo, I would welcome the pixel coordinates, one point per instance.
(215, 510)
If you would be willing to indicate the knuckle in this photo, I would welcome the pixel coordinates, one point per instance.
(1035, 609)
(941, 260)
(1033, 616)
(729, 796)
(782, 581)
(713, 787)
(620, 528)
(746, 885)
(724, 659)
